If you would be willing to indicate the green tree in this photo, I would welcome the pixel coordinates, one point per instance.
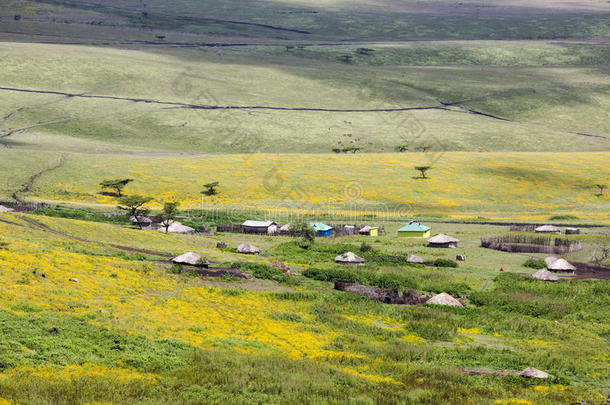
(210, 189)
(116, 184)
(423, 170)
(303, 230)
(133, 205)
(169, 213)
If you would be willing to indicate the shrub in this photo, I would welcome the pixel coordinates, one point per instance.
(264, 272)
(562, 217)
(365, 247)
(331, 275)
(534, 263)
(175, 269)
(444, 263)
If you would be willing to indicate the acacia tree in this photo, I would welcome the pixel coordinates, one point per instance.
(423, 170)
(210, 189)
(169, 213)
(116, 184)
(602, 188)
(133, 205)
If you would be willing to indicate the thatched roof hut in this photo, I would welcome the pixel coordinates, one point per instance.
(5, 209)
(444, 299)
(177, 227)
(416, 259)
(561, 265)
(545, 275)
(248, 249)
(369, 230)
(443, 241)
(349, 258)
(190, 258)
(532, 372)
(549, 260)
(547, 229)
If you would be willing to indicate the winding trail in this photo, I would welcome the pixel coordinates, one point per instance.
(25, 187)
(219, 107)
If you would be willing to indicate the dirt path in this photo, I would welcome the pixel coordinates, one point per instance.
(25, 187)
(454, 107)
(221, 107)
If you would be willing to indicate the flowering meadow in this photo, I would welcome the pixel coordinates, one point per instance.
(523, 186)
(86, 320)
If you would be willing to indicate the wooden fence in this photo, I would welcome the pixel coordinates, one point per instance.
(24, 206)
(530, 244)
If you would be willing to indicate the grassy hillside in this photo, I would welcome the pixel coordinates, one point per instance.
(131, 331)
(304, 101)
(493, 185)
(322, 20)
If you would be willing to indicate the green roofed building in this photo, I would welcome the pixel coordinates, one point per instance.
(414, 230)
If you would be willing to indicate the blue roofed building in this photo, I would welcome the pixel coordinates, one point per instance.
(322, 230)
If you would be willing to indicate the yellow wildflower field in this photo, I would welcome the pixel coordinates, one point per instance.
(459, 184)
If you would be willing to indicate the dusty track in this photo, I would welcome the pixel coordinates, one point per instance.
(25, 187)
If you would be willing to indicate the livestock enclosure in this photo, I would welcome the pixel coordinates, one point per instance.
(530, 244)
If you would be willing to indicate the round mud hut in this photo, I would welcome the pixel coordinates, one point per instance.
(561, 266)
(350, 258)
(545, 275)
(444, 299)
(248, 249)
(443, 241)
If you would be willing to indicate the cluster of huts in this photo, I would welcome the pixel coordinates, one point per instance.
(554, 265)
(153, 222)
(322, 230)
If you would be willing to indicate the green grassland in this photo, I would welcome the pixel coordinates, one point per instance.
(338, 20)
(505, 186)
(536, 108)
(507, 101)
(378, 353)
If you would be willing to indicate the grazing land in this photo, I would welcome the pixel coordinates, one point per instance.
(131, 330)
(467, 116)
(506, 186)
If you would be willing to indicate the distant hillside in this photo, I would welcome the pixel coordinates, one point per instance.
(326, 20)
(277, 100)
